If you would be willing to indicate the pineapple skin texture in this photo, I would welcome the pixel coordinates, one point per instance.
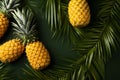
(4, 23)
(11, 50)
(79, 13)
(37, 55)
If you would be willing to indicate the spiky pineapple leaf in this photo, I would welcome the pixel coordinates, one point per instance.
(24, 25)
(6, 6)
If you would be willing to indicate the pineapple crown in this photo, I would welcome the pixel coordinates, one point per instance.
(24, 25)
(7, 6)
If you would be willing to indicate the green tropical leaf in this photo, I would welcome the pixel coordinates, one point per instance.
(55, 13)
(35, 75)
(4, 73)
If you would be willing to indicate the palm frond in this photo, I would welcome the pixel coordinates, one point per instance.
(55, 13)
(33, 74)
(4, 72)
(102, 39)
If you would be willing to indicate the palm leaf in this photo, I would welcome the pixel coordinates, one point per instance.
(4, 73)
(35, 75)
(55, 13)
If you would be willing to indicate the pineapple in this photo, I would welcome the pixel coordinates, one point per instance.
(11, 50)
(6, 6)
(4, 23)
(79, 13)
(37, 55)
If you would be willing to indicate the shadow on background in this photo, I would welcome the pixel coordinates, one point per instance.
(113, 68)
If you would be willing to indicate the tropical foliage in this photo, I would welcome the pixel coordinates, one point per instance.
(88, 49)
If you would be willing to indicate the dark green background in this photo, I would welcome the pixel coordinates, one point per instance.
(59, 49)
(113, 67)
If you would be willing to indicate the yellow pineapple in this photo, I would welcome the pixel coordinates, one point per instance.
(4, 23)
(11, 50)
(6, 6)
(79, 13)
(36, 53)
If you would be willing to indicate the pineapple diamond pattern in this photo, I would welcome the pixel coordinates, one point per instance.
(37, 55)
(4, 22)
(79, 13)
(11, 50)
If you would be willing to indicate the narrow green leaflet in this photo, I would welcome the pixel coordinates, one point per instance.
(4, 72)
